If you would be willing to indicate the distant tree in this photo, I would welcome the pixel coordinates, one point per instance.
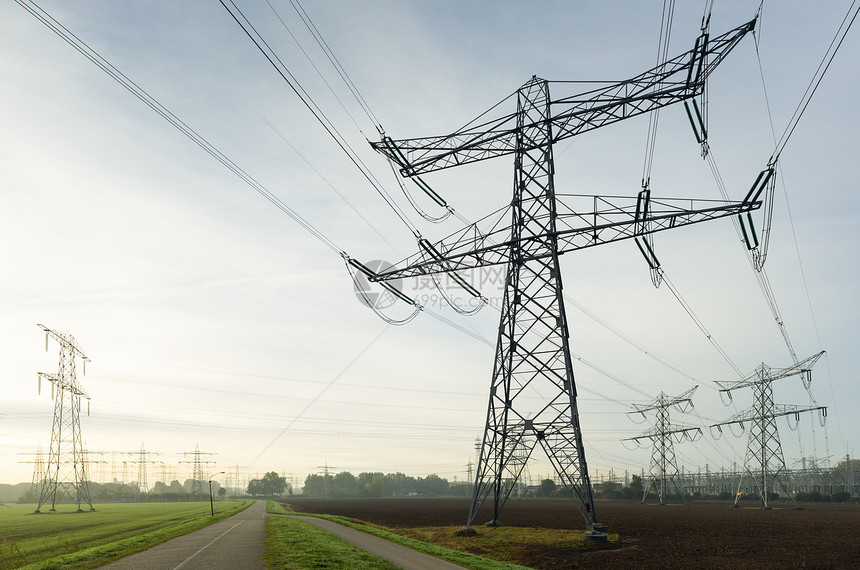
(608, 489)
(371, 484)
(841, 497)
(432, 485)
(314, 485)
(635, 487)
(273, 485)
(547, 487)
(221, 492)
(255, 487)
(344, 484)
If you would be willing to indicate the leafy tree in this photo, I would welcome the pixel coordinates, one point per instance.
(255, 487)
(371, 484)
(608, 489)
(314, 485)
(344, 484)
(547, 487)
(221, 492)
(273, 485)
(432, 485)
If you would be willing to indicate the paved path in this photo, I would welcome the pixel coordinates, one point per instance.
(406, 558)
(236, 543)
(231, 544)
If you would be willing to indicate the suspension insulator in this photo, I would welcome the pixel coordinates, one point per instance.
(649, 256)
(434, 253)
(692, 123)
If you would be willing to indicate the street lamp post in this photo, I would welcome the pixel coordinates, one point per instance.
(211, 503)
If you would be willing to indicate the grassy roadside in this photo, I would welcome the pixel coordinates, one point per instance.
(294, 544)
(91, 539)
(457, 557)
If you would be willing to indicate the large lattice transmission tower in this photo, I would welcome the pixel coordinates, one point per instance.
(532, 351)
(662, 436)
(200, 465)
(764, 462)
(65, 470)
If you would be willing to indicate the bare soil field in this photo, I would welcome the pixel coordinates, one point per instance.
(704, 534)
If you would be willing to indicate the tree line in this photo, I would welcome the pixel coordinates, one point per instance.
(376, 484)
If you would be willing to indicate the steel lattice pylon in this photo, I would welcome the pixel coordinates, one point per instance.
(532, 351)
(65, 476)
(764, 462)
(663, 470)
(197, 476)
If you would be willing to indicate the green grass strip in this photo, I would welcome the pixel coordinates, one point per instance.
(51, 541)
(295, 544)
(462, 558)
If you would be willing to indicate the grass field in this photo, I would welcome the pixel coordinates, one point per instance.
(291, 541)
(295, 544)
(89, 539)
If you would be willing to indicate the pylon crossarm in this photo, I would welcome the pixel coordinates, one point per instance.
(779, 410)
(608, 221)
(764, 374)
(676, 80)
(63, 384)
(664, 401)
(65, 340)
(656, 434)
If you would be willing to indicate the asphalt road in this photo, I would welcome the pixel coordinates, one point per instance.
(236, 543)
(231, 544)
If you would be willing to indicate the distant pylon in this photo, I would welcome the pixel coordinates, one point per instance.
(142, 470)
(664, 468)
(197, 477)
(65, 472)
(38, 471)
(764, 462)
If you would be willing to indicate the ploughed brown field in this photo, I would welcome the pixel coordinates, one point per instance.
(703, 535)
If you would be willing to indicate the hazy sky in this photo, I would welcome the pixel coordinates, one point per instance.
(213, 319)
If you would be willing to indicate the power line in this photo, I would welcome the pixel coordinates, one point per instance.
(282, 70)
(132, 87)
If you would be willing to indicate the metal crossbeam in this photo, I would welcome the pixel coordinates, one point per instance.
(609, 219)
(676, 80)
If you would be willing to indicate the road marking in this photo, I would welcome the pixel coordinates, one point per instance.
(208, 545)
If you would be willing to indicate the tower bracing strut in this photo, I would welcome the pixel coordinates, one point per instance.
(764, 462)
(532, 350)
